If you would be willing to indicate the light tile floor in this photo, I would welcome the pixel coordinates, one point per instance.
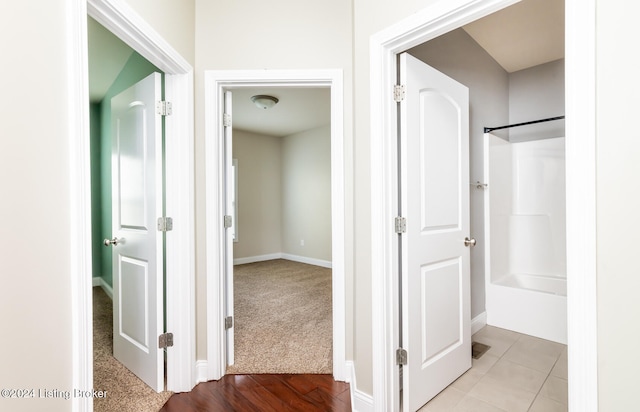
(520, 373)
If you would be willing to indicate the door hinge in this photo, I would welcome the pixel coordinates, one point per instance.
(401, 225)
(401, 356)
(165, 340)
(226, 120)
(398, 93)
(165, 224)
(228, 322)
(163, 108)
(228, 221)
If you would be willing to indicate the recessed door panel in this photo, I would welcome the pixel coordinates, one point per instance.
(442, 322)
(131, 145)
(134, 301)
(440, 163)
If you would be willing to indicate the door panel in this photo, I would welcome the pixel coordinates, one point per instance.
(138, 314)
(434, 151)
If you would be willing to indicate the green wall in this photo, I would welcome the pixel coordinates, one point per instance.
(136, 69)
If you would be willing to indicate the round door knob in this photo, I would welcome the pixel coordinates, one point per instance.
(469, 242)
(111, 242)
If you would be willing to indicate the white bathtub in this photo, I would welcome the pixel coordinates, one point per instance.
(525, 242)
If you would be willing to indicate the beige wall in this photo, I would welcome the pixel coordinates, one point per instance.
(284, 194)
(288, 35)
(618, 204)
(174, 20)
(259, 194)
(35, 300)
(306, 193)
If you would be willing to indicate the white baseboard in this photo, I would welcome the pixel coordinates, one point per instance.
(287, 256)
(360, 401)
(201, 371)
(478, 322)
(260, 258)
(98, 281)
(307, 260)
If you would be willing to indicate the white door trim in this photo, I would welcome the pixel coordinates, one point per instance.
(126, 24)
(441, 17)
(216, 81)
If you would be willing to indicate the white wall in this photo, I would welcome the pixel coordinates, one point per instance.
(259, 194)
(458, 56)
(306, 193)
(35, 299)
(618, 203)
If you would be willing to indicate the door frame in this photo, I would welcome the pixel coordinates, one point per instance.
(216, 82)
(433, 21)
(130, 27)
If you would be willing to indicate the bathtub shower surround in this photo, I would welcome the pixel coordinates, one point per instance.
(525, 236)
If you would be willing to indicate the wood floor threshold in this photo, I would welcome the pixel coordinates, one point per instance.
(260, 393)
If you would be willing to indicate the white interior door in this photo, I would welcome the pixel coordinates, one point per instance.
(436, 324)
(231, 218)
(138, 314)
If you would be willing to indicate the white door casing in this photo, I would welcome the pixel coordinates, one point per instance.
(137, 245)
(436, 329)
(216, 83)
(128, 25)
(228, 234)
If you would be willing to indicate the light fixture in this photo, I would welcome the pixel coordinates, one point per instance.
(263, 101)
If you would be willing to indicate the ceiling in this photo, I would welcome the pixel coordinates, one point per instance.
(298, 109)
(524, 35)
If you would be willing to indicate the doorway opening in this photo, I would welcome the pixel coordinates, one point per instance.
(281, 208)
(219, 264)
(115, 71)
(403, 36)
(125, 24)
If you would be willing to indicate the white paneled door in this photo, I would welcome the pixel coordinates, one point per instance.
(136, 161)
(436, 325)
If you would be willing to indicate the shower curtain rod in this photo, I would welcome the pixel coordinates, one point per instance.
(491, 129)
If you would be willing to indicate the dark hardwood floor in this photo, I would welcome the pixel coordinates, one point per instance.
(260, 393)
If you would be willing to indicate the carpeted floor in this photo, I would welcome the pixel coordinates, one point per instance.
(125, 392)
(283, 318)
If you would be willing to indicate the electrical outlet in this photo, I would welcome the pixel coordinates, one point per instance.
(301, 242)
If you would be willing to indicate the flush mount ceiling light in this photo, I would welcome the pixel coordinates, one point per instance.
(263, 101)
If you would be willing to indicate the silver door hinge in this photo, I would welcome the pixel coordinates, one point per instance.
(228, 221)
(165, 224)
(228, 322)
(165, 340)
(401, 356)
(163, 108)
(398, 93)
(226, 120)
(401, 224)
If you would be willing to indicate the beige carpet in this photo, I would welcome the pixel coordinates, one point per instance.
(125, 392)
(283, 320)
